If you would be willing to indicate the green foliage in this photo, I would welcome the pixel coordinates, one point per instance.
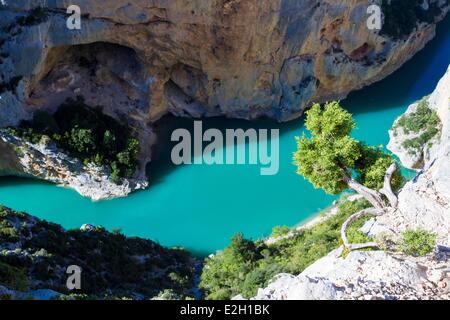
(418, 242)
(401, 17)
(36, 16)
(87, 134)
(280, 231)
(372, 168)
(423, 121)
(322, 157)
(420, 119)
(244, 266)
(80, 140)
(354, 235)
(13, 278)
(7, 231)
(225, 273)
(330, 153)
(112, 263)
(415, 144)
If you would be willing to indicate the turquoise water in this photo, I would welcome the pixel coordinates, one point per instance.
(201, 207)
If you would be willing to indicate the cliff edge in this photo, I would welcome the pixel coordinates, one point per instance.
(424, 203)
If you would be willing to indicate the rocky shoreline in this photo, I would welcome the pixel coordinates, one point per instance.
(44, 161)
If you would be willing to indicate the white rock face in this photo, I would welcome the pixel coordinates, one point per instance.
(423, 202)
(361, 275)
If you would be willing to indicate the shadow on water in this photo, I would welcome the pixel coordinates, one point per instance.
(162, 165)
(11, 181)
(415, 79)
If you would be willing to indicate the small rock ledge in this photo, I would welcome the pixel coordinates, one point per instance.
(48, 163)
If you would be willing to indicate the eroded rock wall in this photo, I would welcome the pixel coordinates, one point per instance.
(237, 58)
(424, 203)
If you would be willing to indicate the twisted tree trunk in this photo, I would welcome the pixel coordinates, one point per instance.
(387, 187)
(377, 201)
(373, 196)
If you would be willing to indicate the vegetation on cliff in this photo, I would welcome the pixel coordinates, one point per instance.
(424, 122)
(35, 254)
(334, 161)
(401, 17)
(87, 134)
(418, 242)
(245, 265)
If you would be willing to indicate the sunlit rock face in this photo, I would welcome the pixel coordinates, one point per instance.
(423, 202)
(140, 60)
(236, 58)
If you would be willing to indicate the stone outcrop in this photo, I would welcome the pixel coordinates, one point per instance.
(411, 158)
(362, 275)
(46, 162)
(424, 203)
(141, 60)
(235, 58)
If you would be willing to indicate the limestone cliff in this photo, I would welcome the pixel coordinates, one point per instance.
(423, 202)
(236, 58)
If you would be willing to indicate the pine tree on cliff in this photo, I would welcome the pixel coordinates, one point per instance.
(334, 161)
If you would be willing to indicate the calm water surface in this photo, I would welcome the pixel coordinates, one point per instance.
(200, 207)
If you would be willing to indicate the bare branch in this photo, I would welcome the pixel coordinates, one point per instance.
(356, 216)
(387, 187)
(370, 195)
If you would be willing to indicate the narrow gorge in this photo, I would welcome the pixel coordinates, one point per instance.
(87, 177)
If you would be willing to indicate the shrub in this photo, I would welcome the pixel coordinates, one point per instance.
(422, 121)
(354, 235)
(415, 144)
(417, 242)
(244, 266)
(280, 231)
(14, 278)
(87, 134)
(422, 118)
(7, 231)
(402, 16)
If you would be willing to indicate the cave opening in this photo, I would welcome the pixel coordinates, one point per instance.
(104, 74)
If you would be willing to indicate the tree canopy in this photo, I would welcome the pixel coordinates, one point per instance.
(332, 160)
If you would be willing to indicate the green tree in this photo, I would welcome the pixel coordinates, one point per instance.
(225, 273)
(133, 147)
(82, 140)
(109, 140)
(334, 161)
